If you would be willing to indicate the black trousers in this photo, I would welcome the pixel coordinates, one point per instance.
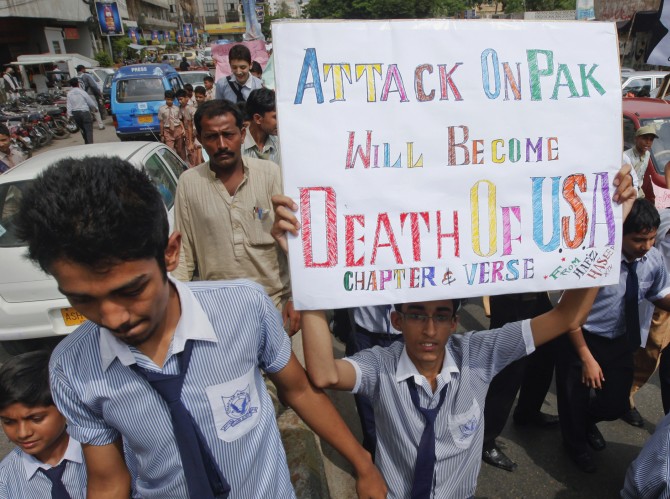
(529, 376)
(84, 121)
(664, 376)
(578, 405)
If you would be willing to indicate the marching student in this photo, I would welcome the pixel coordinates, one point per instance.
(46, 461)
(172, 369)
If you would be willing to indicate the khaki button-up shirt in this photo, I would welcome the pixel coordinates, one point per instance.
(228, 237)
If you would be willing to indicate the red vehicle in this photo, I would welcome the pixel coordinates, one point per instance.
(638, 112)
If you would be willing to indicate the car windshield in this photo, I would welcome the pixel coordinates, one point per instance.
(140, 90)
(193, 78)
(10, 198)
(660, 149)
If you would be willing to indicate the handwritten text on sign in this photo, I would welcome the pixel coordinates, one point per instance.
(436, 159)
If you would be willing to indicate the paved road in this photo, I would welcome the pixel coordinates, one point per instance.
(544, 470)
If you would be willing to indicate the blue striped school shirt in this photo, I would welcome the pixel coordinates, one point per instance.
(649, 475)
(471, 361)
(20, 477)
(607, 316)
(237, 331)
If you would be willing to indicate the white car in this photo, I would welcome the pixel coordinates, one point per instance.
(30, 304)
(99, 75)
(195, 78)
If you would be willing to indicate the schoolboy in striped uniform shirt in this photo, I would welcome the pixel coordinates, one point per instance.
(44, 451)
(429, 393)
(172, 368)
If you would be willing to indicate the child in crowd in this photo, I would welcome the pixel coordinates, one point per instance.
(238, 86)
(200, 95)
(172, 370)
(256, 70)
(171, 127)
(210, 91)
(193, 153)
(594, 372)
(46, 462)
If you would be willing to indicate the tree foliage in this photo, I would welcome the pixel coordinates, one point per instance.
(418, 9)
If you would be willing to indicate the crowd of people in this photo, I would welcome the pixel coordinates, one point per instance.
(165, 390)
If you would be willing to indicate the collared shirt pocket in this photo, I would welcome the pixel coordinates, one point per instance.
(643, 288)
(235, 405)
(259, 226)
(464, 426)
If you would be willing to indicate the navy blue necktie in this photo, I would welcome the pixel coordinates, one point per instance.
(631, 306)
(425, 456)
(203, 477)
(55, 475)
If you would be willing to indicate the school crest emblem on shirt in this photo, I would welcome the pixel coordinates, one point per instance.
(238, 408)
(468, 428)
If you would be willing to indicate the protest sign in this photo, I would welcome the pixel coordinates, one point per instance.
(443, 159)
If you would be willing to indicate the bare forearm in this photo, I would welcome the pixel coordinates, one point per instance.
(318, 348)
(112, 488)
(327, 423)
(579, 344)
(570, 313)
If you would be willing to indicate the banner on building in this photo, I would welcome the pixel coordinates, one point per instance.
(133, 35)
(454, 162)
(109, 18)
(187, 29)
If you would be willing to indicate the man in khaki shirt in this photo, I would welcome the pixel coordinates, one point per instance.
(223, 210)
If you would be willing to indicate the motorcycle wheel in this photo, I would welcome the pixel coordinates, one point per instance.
(59, 130)
(71, 125)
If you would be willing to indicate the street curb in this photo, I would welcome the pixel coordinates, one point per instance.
(303, 454)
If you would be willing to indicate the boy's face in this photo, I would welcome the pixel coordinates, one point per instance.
(267, 122)
(131, 298)
(5, 143)
(425, 339)
(38, 431)
(637, 244)
(240, 69)
(169, 101)
(199, 98)
(183, 101)
(643, 143)
(208, 84)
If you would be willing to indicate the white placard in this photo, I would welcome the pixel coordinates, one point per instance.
(443, 159)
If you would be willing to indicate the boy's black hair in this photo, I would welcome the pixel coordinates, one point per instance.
(4, 130)
(180, 93)
(643, 217)
(24, 379)
(95, 211)
(261, 101)
(200, 90)
(456, 302)
(256, 68)
(188, 87)
(208, 78)
(239, 52)
(169, 94)
(217, 107)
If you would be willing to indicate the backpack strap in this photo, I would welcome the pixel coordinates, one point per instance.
(235, 88)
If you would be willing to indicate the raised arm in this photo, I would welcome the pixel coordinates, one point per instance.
(107, 474)
(323, 369)
(569, 314)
